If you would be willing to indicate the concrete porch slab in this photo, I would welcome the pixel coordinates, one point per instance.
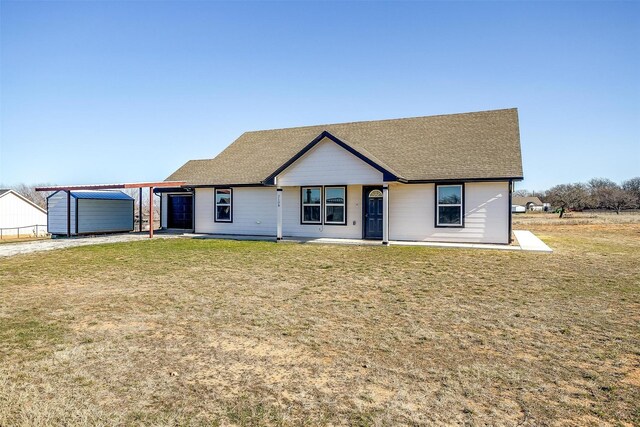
(530, 242)
(229, 237)
(526, 240)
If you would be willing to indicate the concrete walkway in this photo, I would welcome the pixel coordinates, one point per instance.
(530, 242)
(10, 249)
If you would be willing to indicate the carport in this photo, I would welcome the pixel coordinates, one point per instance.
(140, 185)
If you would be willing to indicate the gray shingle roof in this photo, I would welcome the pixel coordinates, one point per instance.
(481, 145)
(522, 201)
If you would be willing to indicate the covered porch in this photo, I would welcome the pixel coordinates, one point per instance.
(357, 212)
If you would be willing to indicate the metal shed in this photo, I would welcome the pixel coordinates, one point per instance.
(89, 212)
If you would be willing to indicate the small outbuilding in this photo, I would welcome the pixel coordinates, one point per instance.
(531, 204)
(19, 216)
(90, 212)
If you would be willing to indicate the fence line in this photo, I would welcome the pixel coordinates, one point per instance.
(34, 230)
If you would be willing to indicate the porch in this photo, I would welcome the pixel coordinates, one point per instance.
(524, 241)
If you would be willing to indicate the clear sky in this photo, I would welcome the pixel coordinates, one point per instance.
(111, 91)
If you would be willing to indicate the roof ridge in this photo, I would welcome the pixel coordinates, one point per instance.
(382, 120)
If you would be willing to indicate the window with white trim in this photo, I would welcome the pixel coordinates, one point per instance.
(224, 203)
(335, 211)
(449, 211)
(311, 211)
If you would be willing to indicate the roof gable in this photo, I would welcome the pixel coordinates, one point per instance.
(361, 154)
(328, 163)
(5, 192)
(482, 145)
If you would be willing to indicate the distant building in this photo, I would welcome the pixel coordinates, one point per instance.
(20, 216)
(531, 203)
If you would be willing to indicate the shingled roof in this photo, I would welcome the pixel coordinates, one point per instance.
(481, 145)
(523, 201)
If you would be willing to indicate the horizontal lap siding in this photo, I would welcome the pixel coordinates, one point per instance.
(291, 225)
(15, 212)
(329, 164)
(163, 210)
(97, 216)
(412, 214)
(254, 212)
(57, 212)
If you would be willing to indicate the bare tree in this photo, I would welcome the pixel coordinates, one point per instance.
(29, 192)
(606, 194)
(632, 187)
(135, 194)
(617, 199)
(600, 192)
(569, 196)
(521, 193)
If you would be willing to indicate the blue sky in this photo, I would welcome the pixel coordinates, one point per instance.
(97, 92)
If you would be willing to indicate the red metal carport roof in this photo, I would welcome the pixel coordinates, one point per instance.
(140, 185)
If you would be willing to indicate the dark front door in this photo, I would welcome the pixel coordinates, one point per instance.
(372, 212)
(180, 212)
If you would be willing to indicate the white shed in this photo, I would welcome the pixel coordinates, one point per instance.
(20, 216)
(90, 212)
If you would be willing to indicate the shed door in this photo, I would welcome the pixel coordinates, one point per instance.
(180, 211)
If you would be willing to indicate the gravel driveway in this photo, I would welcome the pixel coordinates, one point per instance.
(10, 249)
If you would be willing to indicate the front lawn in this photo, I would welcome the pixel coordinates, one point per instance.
(207, 332)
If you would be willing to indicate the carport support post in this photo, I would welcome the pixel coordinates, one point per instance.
(68, 213)
(150, 212)
(140, 210)
(279, 207)
(385, 214)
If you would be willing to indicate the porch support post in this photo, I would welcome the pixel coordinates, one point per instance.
(150, 212)
(69, 213)
(140, 210)
(385, 214)
(279, 208)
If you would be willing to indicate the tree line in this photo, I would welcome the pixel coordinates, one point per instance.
(597, 193)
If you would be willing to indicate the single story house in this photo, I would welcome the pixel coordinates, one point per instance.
(531, 203)
(446, 178)
(19, 216)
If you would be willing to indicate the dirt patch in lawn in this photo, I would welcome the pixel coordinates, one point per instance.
(206, 332)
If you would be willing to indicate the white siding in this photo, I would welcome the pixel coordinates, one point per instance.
(163, 210)
(412, 214)
(292, 227)
(100, 216)
(329, 164)
(254, 212)
(57, 213)
(16, 212)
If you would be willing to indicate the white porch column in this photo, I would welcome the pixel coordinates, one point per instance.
(279, 207)
(385, 214)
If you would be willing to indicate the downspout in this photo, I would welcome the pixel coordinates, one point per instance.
(510, 213)
(76, 216)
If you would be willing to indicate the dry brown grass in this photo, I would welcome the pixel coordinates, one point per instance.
(201, 332)
(16, 239)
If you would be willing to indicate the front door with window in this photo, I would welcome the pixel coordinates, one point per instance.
(372, 212)
(180, 212)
